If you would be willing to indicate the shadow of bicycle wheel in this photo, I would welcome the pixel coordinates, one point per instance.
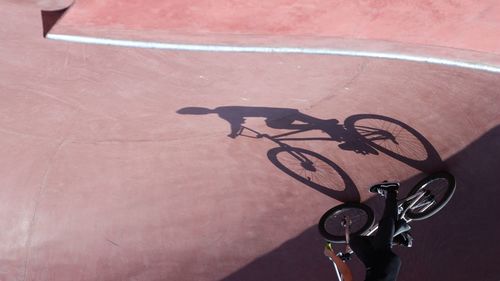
(395, 139)
(315, 171)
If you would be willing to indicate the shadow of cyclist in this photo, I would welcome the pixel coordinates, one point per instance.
(283, 118)
(308, 167)
(361, 133)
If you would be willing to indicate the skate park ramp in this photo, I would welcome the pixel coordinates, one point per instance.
(141, 142)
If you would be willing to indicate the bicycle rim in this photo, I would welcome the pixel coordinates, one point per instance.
(330, 224)
(440, 188)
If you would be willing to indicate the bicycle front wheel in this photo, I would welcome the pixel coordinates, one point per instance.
(439, 187)
(330, 225)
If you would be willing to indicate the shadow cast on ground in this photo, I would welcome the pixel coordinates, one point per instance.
(50, 18)
(455, 244)
(363, 134)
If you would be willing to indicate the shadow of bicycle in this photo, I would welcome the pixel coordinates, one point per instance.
(365, 134)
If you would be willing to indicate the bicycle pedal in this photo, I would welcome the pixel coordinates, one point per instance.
(344, 256)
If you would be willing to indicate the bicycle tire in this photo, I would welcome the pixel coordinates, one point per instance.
(413, 148)
(424, 183)
(338, 237)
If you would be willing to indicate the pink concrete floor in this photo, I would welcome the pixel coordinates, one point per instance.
(456, 24)
(101, 178)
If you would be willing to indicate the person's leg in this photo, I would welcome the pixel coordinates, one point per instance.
(362, 247)
(383, 238)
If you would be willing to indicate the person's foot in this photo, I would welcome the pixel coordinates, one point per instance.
(383, 188)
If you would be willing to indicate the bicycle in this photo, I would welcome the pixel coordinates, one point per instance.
(425, 199)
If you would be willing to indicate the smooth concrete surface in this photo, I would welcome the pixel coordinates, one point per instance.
(462, 24)
(107, 172)
(53, 5)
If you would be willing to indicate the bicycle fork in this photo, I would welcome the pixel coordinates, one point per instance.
(346, 223)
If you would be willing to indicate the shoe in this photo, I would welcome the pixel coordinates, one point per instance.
(382, 188)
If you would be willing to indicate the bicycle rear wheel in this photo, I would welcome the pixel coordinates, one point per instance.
(330, 224)
(440, 188)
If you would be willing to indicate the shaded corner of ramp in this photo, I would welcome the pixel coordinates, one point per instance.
(50, 18)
